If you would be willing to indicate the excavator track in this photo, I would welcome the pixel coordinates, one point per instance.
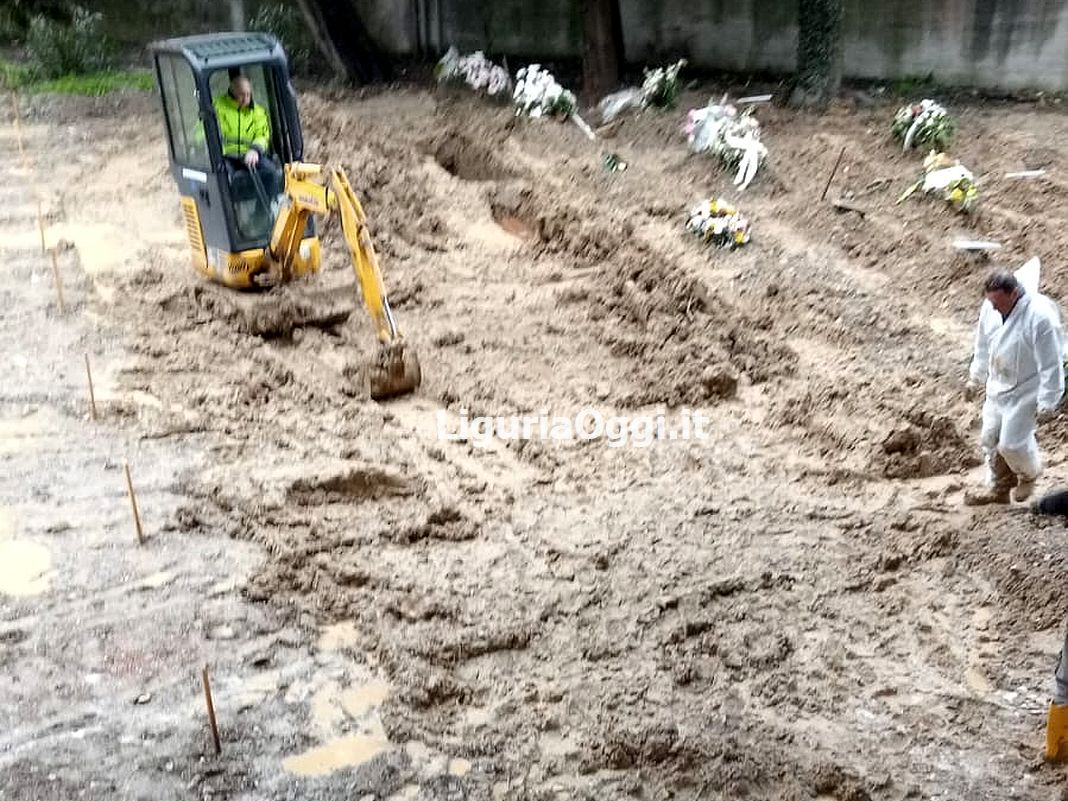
(276, 312)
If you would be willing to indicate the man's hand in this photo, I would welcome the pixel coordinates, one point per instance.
(252, 158)
(971, 390)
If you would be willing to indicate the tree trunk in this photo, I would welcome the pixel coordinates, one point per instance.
(237, 15)
(602, 54)
(819, 52)
(344, 41)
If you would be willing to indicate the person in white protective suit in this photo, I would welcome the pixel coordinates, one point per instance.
(1019, 354)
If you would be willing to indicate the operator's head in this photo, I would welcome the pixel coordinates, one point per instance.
(241, 90)
(1002, 290)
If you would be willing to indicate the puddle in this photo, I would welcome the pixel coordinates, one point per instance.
(331, 706)
(360, 700)
(493, 235)
(156, 580)
(425, 759)
(100, 245)
(103, 248)
(344, 752)
(515, 226)
(977, 681)
(459, 767)
(326, 712)
(338, 636)
(23, 565)
(552, 745)
(418, 751)
(479, 716)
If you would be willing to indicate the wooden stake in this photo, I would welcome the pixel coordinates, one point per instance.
(211, 711)
(62, 308)
(40, 225)
(133, 505)
(92, 397)
(18, 122)
(831, 176)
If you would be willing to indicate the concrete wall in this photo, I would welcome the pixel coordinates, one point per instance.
(988, 43)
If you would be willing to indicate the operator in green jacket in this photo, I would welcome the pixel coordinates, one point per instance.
(245, 129)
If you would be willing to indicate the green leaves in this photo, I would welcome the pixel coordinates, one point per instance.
(75, 48)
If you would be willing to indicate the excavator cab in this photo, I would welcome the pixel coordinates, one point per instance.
(229, 209)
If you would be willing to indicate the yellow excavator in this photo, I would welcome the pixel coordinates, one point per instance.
(253, 225)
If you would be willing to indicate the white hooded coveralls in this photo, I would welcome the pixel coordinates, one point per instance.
(1021, 360)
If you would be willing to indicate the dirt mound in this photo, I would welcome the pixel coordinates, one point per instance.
(271, 314)
(468, 158)
(358, 484)
(885, 434)
(185, 304)
(734, 754)
(924, 445)
(690, 349)
(390, 181)
(445, 523)
(1025, 560)
(585, 234)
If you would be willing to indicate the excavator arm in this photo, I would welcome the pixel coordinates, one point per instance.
(364, 258)
(395, 370)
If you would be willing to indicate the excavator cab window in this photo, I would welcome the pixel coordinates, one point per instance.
(182, 107)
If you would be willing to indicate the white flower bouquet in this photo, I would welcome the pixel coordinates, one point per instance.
(718, 222)
(475, 70)
(537, 94)
(660, 89)
(925, 123)
(948, 177)
(734, 138)
(662, 86)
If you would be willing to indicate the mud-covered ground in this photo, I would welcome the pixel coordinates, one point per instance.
(796, 607)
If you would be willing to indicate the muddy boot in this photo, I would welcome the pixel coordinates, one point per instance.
(1023, 489)
(1057, 733)
(985, 497)
(1000, 492)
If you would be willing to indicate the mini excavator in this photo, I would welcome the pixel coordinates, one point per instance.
(241, 236)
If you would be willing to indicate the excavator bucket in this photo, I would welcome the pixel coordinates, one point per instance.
(394, 371)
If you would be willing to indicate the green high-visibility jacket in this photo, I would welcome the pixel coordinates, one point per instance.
(242, 128)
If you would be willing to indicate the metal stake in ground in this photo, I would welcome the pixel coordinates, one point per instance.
(59, 292)
(211, 711)
(830, 177)
(133, 505)
(92, 397)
